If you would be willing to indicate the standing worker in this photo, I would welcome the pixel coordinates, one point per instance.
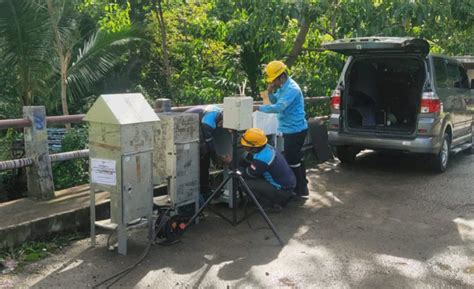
(266, 171)
(287, 100)
(210, 118)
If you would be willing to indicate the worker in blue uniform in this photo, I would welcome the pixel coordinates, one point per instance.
(210, 118)
(266, 171)
(287, 100)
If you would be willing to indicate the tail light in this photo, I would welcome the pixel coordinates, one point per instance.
(336, 99)
(430, 103)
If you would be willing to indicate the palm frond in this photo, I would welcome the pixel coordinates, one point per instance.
(99, 54)
(25, 45)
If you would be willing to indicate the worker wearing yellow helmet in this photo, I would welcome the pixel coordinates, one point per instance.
(266, 171)
(287, 101)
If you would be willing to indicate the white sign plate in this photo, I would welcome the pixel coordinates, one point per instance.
(103, 172)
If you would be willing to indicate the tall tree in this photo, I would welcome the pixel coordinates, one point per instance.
(164, 47)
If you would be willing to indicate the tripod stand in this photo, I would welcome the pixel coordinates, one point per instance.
(237, 181)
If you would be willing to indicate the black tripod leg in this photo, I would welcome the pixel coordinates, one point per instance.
(262, 212)
(234, 201)
(212, 196)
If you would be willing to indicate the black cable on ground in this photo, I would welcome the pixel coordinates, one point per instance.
(118, 276)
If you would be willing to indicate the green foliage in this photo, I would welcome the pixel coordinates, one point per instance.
(11, 185)
(204, 66)
(320, 108)
(256, 29)
(24, 47)
(43, 39)
(37, 250)
(112, 15)
(72, 172)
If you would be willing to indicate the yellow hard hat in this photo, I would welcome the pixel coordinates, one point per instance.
(254, 137)
(274, 69)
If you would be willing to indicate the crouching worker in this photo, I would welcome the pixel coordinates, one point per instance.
(266, 171)
(210, 118)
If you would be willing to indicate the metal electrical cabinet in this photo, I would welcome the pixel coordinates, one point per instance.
(238, 112)
(176, 157)
(121, 153)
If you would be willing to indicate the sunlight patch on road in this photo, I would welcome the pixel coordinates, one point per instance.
(406, 267)
(465, 229)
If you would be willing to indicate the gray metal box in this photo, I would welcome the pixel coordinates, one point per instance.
(172, 129)
(120, 152)
(176, 156)
(238, 112)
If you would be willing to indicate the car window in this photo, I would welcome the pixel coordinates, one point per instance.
(464, 78)
(440, 72)
(454, 75)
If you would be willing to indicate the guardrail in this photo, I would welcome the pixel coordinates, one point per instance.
(38, 159)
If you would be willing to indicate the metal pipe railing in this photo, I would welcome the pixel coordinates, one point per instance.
(256, 103)
(14, 123)
(62, 119)
(77, 118)
(59, 157)
(15, 164)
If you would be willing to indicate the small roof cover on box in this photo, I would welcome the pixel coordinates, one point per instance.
(121, 109)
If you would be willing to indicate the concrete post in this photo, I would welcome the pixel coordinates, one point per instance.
(39, 174)
(163, 105)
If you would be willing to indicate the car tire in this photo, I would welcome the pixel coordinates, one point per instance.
(346, 154)
(441, 160)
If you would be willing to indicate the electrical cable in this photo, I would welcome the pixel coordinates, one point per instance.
(118, 276)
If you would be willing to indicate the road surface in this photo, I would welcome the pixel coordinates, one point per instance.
(384, 222)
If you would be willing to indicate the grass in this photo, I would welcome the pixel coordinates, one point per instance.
(34, 251)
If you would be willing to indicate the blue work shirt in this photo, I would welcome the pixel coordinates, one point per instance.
(288, 102)
(208, 116)
(272, 166)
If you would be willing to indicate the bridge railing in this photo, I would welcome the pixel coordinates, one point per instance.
(38, 159)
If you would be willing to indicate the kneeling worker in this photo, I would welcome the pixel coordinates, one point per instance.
(266, 171)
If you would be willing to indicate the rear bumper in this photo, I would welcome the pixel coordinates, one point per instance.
(417, 145)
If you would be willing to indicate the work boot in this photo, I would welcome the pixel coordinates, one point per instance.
(301, 188)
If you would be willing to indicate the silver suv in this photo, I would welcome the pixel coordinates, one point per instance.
(394, 95)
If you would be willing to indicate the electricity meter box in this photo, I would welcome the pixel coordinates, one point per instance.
(238, 112)
(120, 152)
(176, 156)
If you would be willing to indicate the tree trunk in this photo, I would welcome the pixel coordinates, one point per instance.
(298, 44)
(164, 47)
(64, 57)
(64, 105)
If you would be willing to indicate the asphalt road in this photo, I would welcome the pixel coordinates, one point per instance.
(384, 222)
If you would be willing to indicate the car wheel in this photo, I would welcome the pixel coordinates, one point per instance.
(346, 154)
(441, 160)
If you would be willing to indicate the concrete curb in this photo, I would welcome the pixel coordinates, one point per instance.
(76, 220)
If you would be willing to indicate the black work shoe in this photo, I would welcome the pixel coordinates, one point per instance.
(304, 193)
